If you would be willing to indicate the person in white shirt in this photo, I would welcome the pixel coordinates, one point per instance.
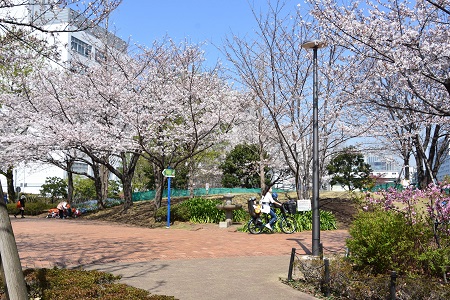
(271, 199)
(62, 206)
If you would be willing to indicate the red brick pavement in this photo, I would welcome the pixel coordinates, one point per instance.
(70, 243)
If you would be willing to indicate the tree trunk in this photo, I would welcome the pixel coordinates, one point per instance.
(406, 166)
(127, 191)
(98, 185)
(423, 180)
(104, 176)
(69, 185)
(10, 266)
(10, 184)
(191, 178)
(129, 162)
(262, 174)
(159, 186)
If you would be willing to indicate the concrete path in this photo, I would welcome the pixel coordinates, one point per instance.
(207, 262)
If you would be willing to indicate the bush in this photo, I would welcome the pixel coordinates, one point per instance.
(303, 221)
(383, 241)
(31, 208)
(177, 213)
(199, 210)
(348, 283)
(64, 284)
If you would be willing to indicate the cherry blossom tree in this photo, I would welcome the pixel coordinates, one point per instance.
(15, 63)
(159, 102)
(275, 68)
(401, 40)
(93, 109)
(397, 75)
(186, 109)
(36, 15)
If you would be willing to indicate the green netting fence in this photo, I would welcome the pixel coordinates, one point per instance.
(150, 195)
(385, 186)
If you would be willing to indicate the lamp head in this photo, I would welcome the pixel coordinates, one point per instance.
(315, 44)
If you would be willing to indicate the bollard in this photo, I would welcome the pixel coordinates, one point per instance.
(326, 262)
(393, 280)
(291, 264)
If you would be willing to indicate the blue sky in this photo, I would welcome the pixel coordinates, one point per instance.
(144, 21)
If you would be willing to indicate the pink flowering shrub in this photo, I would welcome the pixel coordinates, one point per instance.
(406, 231)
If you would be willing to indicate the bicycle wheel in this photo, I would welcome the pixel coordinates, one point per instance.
(254, 228)
(287, 224)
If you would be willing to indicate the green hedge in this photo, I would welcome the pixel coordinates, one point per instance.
(31, 208)
(198, 210)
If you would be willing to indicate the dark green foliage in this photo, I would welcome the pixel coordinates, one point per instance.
(303, 221)
(55, 187)
(56, 284)
(177, 213)
(198, 210)
(241, 167)
(31, 208)
(114, 188)
(383, 241)
(144, 177)
(349, 169)
(83, 189)
(432, 260)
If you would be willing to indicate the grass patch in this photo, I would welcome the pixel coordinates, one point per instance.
(55, 284)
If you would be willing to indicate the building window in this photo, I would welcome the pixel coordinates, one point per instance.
(100, 56)
(79, 167)
(81, 47)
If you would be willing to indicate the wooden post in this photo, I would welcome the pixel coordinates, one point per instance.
(291, 264)
(326, 262)
(10, 262)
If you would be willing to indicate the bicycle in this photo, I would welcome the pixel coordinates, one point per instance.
(285, 220)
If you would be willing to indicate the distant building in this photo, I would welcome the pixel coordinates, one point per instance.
(385, 169)
(86, 46)
(444, 170)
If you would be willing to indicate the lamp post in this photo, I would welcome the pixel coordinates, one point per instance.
(315, 193)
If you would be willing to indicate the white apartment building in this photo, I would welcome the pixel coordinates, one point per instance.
(86, 46)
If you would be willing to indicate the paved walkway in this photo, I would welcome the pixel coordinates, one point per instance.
(207, 262)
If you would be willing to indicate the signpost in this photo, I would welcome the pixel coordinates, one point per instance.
(169, 173)
(303, 205)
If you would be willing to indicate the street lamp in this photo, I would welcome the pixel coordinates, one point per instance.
(315, 194)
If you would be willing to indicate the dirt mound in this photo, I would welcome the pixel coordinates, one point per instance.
(344, 210)
(142, 213)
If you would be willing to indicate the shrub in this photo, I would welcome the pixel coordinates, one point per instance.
(348, 283)
(383, 241)
(78, 284)
(198, 210)
(31, 208)
(177, 213)
(408, 228)
(304, 221)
